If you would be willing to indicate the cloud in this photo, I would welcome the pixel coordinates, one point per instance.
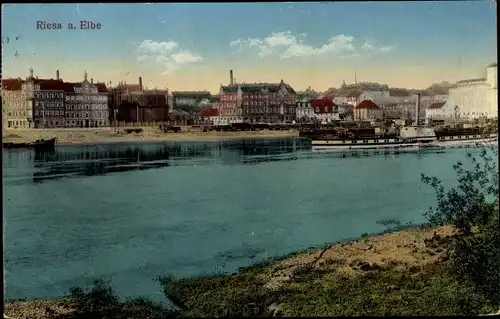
(371, 45)
(287, 45)
(167, 54)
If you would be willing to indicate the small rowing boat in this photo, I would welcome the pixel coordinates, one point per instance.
(38, 145)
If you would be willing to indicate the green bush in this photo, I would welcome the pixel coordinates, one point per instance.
(472, 208)
(101, 302)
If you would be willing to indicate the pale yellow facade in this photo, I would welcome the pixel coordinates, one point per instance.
(16, 109)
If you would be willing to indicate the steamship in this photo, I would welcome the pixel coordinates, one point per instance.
(409, 138)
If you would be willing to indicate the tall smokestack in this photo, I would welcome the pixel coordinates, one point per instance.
(231, 80)
(140, 83)
(57, 75)
(417, 109)
(91, 80)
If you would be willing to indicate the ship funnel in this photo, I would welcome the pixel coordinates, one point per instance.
(417, 110)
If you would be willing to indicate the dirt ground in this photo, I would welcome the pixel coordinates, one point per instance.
(405, 248)
(114, 135)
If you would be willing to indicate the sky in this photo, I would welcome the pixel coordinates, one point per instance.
(192, 46)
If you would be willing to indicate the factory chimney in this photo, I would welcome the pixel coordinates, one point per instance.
(417, 109)
(57, 74)
(140, 83)
(91, 80)
(231, 80)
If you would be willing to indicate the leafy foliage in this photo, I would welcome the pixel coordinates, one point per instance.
(101, 302)
(472, 207)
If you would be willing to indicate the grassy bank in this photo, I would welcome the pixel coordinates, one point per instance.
(399, 273)
(117, 135)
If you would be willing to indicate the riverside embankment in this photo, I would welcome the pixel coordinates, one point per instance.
(117, 135)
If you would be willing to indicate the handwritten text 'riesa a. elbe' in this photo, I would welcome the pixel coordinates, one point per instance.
(83, 25)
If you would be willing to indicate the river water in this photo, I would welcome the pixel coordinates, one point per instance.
(131, 212)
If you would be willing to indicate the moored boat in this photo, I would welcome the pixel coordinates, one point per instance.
(38, 145)
(409, 138)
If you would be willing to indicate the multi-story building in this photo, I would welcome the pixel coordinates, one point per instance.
(47, 99)
(367, 110)
(353, 98)
(257, 103)
(304, 111)
(325, 110)
(475, 98)
(86, 104)
(133, 103)
(16, 109)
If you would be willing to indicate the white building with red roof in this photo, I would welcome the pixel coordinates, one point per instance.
(367, 110)
(325, 110)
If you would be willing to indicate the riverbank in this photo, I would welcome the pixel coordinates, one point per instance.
(117, 135)
(399, 273)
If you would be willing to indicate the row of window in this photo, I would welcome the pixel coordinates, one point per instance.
(73, 115)
(17, 114)
(86, 97)
(17, 123)
(86, 107)
(49, 104)
(86, 115)
(92, 123)
(49, 95)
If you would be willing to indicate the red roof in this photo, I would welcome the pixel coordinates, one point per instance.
(437, 105)
(12, 84)
(323, 106)
(210, 112)
(49, 85)
(367, 104)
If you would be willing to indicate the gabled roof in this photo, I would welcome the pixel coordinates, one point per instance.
(437, 105)
(323, 106)
(367, 104)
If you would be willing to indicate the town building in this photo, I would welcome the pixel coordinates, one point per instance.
(86, 104)
(353, 98)
(133, 103)
(440, 111)
(325, 110)
(474, 98)
(16, 109)
(367, 110)
(210, 115)
(304, 111)
(46, 96)
(257, 103)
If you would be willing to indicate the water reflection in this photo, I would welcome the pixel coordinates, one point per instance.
(77, 161)
(67, 162)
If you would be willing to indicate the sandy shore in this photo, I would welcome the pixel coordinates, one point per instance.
(409, 248)
(117, 135)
